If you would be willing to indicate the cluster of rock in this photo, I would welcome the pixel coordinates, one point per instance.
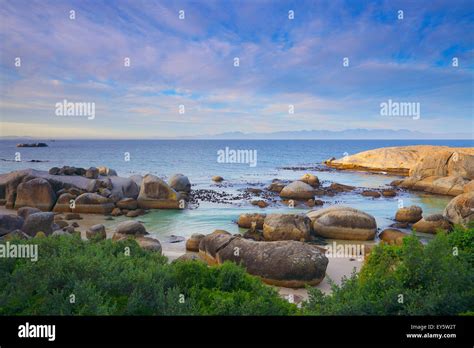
(95, 190)
(308, 187)
(91, 173)
(336, 222)
(30, 222)
(136, 231)
(277, 247)
(412, 217)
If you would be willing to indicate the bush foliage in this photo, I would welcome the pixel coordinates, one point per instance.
(105, 281)
(410, 279)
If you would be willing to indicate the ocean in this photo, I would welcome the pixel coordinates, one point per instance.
(199, 160)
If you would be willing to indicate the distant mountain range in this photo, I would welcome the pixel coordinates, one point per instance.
(345, 134)
(366, 134)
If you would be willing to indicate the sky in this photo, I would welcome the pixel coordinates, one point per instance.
(190, 63)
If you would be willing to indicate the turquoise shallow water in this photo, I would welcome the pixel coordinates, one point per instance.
(209, 217)
(198, 160)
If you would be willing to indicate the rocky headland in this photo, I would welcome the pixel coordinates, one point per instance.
(434, 169)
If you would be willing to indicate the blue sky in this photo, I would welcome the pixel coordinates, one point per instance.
(190, 62)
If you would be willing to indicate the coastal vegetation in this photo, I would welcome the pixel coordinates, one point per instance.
(407, 279)
(103, 277)
(99, 277)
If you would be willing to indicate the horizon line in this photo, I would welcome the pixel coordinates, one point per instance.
(198, 138)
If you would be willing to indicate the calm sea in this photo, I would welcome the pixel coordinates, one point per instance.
(198, 159)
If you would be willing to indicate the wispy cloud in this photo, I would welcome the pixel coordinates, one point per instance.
(190, 62)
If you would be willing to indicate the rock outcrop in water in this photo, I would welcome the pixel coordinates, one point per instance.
(157, 194)
(297, 190)
(340, 222)
(310, 179)
(410, 214)
(180, 183)
(435, 169)
(32, 145)
(94, 190)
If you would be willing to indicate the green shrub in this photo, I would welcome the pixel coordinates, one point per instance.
(105, 281)
(411, 279)
(434, 279)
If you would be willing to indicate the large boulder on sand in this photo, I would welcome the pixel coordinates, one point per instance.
(297, 190)
(9, 223)
(340, 222)
(246, 220)
(38, 222)
(180, 183)
(157, 194)
(460, 210)
(36, 193)
(131, 228)
(410, 214)
(432, 224)
(286, 227)
(281, 263)
(93, 203)
(148, 243)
